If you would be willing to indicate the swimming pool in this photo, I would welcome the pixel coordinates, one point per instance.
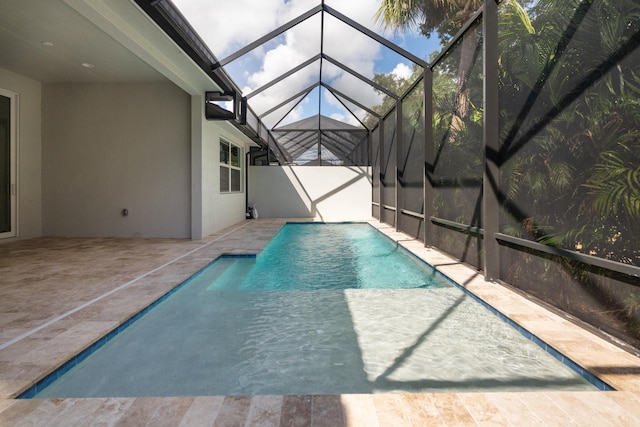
(258, 335)
(316, 256)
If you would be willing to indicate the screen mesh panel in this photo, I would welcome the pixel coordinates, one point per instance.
(458, 144)
(569, 127)
(411, 162)
(375, 171)
(388, 168)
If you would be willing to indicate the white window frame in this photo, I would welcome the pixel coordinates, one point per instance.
(226, 163)
(13, 164)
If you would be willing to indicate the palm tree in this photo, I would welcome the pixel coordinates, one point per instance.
(446, 18)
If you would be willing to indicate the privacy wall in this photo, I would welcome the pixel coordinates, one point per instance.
(329, 193)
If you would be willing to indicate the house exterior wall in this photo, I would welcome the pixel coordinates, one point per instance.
(219, 209)
(29, 144)
(114, 146)
(329, 193)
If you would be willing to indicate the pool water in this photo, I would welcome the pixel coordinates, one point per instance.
(314, 256)
(259, 334)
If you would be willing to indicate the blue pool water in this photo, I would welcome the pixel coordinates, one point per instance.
(241, 328)
(305, 256)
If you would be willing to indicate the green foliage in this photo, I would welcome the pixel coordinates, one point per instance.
(444, 17)
(394, 84)
(615, 185)
(574, 170)
(569, 121)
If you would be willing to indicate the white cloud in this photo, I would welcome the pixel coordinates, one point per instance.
(228, 25)
(295, 115)
(342, 113)
(361, 11)
(282, 58)
(402, 71)
(356, 90)
(346, 118)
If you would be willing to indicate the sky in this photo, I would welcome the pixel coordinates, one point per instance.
(229, 25)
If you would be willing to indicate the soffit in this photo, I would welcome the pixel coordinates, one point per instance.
(115, 36)
(26, 25)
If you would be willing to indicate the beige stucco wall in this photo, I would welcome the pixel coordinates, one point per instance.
(329, 193)
(219, 209)
(29, 179)
(114, 146)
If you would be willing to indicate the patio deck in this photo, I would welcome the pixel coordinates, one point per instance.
(59, 295)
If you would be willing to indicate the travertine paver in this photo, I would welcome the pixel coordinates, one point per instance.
(57, 296)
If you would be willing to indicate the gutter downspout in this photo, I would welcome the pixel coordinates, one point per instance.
(246, 182)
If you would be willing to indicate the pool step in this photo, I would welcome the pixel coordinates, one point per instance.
(234, 275)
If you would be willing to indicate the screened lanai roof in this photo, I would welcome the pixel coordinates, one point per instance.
(305, 78)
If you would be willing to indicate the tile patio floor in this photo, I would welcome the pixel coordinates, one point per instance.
(57, 296)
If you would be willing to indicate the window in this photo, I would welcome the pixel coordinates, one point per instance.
(230, 167)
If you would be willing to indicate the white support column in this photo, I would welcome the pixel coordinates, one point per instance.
(197, 116)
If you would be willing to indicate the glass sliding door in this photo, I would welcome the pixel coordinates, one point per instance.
(7, 164)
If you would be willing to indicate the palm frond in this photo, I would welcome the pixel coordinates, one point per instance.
(398, 14)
